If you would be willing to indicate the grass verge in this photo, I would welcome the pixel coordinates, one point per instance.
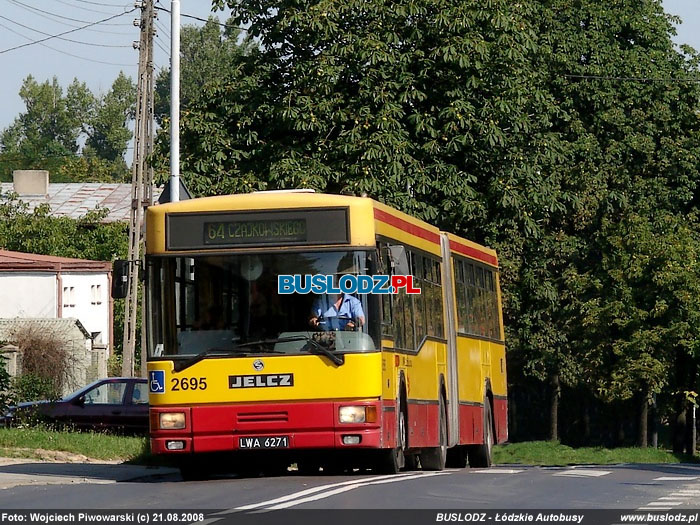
(26, 442)
(556, 454)
(34, 442)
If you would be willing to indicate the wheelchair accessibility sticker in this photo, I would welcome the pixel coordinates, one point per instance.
(156, 381)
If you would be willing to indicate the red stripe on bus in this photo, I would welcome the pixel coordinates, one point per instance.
(473, 253)
(406, 226)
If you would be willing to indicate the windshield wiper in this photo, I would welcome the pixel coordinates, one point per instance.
(338, 359)
(179, 366)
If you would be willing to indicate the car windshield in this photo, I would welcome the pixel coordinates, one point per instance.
(230, 305)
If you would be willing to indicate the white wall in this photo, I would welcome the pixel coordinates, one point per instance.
(28, 295)
(92, 312)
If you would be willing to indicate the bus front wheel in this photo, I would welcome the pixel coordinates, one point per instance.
(393, 460)
(434, 458)
(480, 455)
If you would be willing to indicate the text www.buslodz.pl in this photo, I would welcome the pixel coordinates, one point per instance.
(362, 284)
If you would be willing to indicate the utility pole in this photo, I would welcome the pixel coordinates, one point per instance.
(141, 182)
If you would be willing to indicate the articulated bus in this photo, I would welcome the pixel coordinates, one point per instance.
(237, 371)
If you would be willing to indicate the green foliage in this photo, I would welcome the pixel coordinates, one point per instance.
(561, 133)
(47, 135)
(30, 387)
(5, 384)
(553, 453)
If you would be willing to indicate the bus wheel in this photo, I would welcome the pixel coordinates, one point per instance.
(457, 457)
(434, 458)
(480, 455)
(192, 471)
(308, 467)
(393, 460)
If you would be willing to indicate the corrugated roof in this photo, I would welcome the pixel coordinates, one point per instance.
(69, 328)
(18, 261)
(75, 199)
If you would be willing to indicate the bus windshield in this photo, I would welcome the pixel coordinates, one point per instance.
(229, 304)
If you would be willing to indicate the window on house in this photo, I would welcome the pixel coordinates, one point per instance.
(96, 294)
(68, 296)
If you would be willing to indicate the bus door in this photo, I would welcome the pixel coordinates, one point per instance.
(451, 336)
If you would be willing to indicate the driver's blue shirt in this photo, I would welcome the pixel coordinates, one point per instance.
(324, 307)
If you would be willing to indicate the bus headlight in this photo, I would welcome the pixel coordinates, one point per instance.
(357, 414)
(171, 420)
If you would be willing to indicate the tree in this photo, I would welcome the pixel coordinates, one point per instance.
(107, 129)
(209, 53)
(47, 133)
(534, 127)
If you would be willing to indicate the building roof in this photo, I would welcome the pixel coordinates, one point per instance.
(70, 329)
(18, 262)
(75, 199)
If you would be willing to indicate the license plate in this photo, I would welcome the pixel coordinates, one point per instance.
(263, 442)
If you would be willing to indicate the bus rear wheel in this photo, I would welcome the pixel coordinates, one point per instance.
(480, 455)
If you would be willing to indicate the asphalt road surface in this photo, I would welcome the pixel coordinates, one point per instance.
(632, 486)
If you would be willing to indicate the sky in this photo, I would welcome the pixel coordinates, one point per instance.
(22, 21)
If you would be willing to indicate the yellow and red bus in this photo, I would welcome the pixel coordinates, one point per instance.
(236, 370)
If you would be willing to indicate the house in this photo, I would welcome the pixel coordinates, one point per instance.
(47, 287)
(87, 362)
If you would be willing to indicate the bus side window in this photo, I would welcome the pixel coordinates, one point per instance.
(460, 292)
(419, 310)
(384, 268)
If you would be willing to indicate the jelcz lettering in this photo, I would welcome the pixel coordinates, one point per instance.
(260, 380)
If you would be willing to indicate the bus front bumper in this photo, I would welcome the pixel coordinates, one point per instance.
(285, 426)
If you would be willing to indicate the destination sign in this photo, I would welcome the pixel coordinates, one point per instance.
(241, 232)
(206, 231)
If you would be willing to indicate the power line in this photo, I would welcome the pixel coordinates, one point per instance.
(93, 10)
(61, 38)
(52, 18)
(65, 32)
(52, 14)
(163, 30)
(101, 3)
(66, 52)
(202, 19)
(633, 79)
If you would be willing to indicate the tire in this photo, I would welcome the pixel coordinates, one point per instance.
(308, 467)
(457, 457)
(480, 455)
(434, 458)
(192, 471)
(391, 461)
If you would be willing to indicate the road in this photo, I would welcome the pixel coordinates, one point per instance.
(645, 487)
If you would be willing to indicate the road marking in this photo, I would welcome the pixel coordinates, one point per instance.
(321, 488)
(498, 471)
(672, 497)
(583, 473)
(674, 503)
(676, 478)
(347, 488)
(653, 508)
(311, 494)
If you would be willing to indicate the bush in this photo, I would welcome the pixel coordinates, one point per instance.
(45, 364)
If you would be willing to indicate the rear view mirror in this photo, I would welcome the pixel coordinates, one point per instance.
(120, 279)
(399, 259)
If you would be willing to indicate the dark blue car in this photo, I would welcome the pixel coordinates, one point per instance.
(114, 404)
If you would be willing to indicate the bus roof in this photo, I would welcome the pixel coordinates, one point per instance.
(390, 222)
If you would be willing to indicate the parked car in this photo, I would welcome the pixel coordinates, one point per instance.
(114, 404)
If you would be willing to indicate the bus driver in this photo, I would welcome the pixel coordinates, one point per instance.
(337, 312)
